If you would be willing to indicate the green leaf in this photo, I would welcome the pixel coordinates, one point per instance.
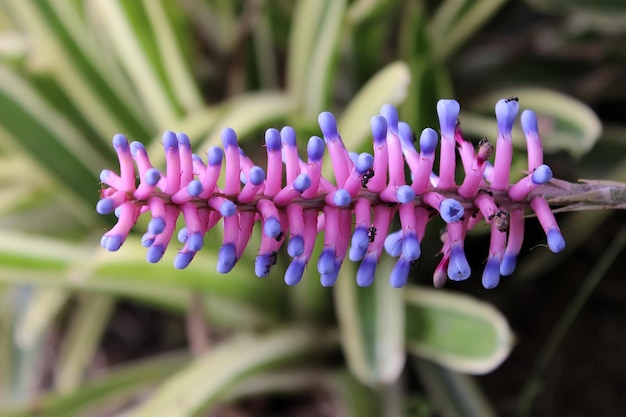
(116, 387)
(387, 86)
(456, 331)
(371, 321)
(26, 258)
(205, 379)
(456, 21)
(565, 124)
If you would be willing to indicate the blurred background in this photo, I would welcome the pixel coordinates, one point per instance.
(85, 332)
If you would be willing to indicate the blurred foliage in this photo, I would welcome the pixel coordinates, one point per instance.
(73, 73)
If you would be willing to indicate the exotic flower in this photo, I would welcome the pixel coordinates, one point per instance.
(354, 212)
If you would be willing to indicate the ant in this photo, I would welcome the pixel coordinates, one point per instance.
(273, 260)
(371, 234)
(367, 176)
(512, 98)
(483, 191)
(278, 237)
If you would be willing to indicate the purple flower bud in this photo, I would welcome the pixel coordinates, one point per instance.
(428, 141)
(328, 124)
(294, 272)
(400, 273)
(458, 268)
(226, 258)
(315, 148)
(506, 111)
(451, 210)
(448, 112)
(541, 175)
(390, 114)
(491, 274)
(379, 129)
(556, 243)
(367, 270)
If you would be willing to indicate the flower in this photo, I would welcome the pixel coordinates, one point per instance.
(354, 212)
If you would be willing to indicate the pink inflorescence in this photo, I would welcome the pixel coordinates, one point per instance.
(355, 212)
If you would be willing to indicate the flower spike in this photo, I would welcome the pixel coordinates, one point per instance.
(354, 212)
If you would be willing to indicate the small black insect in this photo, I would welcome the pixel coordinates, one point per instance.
(273, 257)
(413, 264)
(279, 236)
(483, 191)
(413, 137)
(512, 98)
(273, 260)
(367, 176)
(371, 234)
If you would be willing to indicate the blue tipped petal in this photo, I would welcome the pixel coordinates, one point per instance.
(367, 270)
(183, 259)
(257, 175)
(364, 162)
(147, 240)
(529, 122)
(136, 147)
(228, 208)
(183, 140)
(328, 124)
(315, 148)
(390, 114)
(393, 243)
(448, 112)
(458, 268)
(411, 247)
(272, 139)
(105, 174)
(506, 111)
(215, 155)
(379, 129)
(428, 140)
(155, 253)
(295, 247)
(226, 258)
(288, 136)
(118, 211)
(302, 182)
(152, 176)
(356, 254)
(194, 188)
(509, 262)
(541, 175)
(326, 262)
(195, 241)
(342, 198)
(105, 206)
(400, 273)
(229, 137)
(451, 210)
(120, 142)
(262, 265)
(112, 243)
(353, 157)
(170, 141)
(406, 135)
(405, 194)
(271, 227)
(182, 235)
(556, 242)
(294, 272)
(156, 225)
(360, 238)
(491, 274)
(328, 280)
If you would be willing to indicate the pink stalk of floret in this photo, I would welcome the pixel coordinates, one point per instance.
(231, 181)
(474, 175)
(448, 112)
(514, 242)
(533, 140)
(338, 153)
(274, 162)
(506, 111)
(556, 243)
